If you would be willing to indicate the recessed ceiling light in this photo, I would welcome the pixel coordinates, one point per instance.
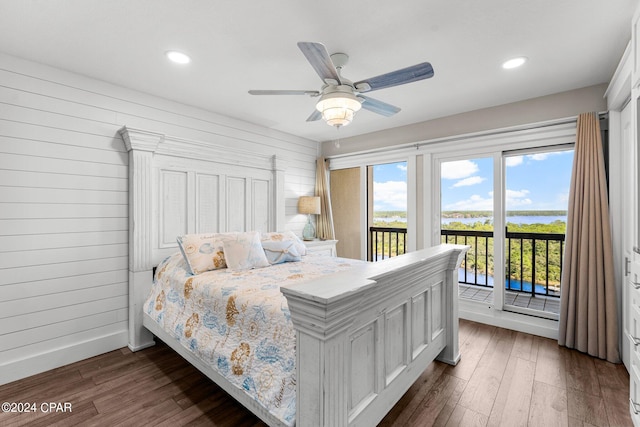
(514, 62)
(177, 57)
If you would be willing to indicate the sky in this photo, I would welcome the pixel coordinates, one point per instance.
(390, 187)
(533, 182)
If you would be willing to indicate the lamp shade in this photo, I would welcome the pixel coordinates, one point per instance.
(338, 105)
(309, 205)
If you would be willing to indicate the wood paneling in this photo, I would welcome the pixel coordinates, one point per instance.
(64, 205)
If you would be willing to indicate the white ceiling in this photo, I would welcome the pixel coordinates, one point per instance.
(240, 45)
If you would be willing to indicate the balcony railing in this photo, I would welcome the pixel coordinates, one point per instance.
(536, 274)
(531, 274)
(386, 242)
(481, 243)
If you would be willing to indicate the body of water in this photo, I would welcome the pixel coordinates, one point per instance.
(391, 219)
(512, 219)
(542, 219)
(514, 285)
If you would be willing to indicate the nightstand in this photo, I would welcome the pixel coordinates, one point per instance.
(321, 247)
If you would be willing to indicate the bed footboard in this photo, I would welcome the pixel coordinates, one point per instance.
(364, 337)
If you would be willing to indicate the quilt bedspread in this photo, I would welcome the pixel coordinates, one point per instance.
(239, 322)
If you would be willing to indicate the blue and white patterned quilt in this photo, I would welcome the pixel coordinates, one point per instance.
(239, 322)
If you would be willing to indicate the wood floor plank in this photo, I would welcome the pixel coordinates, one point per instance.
(513, 401)
(79, 414)
(463, 417)
(408, 403)
(447, 410)
(190, 413)
(483, 385)
(617, 405)
(471, 351)
(550, 366)
(525, 347)
(581, 373)
(588, 408)
(548, 406)
(611, 375)
(435, 400)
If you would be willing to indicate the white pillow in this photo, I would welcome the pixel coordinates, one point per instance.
(286, 236)
(203, 252)
(245, 252)
(279, 252)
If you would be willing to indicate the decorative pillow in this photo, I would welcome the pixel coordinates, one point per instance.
(245, 252)
(286, 236)
(279, 252)
(204, 252)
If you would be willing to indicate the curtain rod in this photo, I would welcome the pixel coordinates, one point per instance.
(417, 145)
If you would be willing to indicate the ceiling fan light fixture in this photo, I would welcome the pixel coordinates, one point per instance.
(514, 62)
(338, 106)
(177, 57)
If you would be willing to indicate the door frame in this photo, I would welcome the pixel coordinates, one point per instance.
(560, 134)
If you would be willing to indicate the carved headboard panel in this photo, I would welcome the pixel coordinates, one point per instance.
(179, 186)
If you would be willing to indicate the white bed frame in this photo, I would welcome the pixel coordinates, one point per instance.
(362, 338)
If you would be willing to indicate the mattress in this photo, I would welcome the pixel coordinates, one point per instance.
(239, 322)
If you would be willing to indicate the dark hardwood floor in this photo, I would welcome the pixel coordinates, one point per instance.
(505, 378)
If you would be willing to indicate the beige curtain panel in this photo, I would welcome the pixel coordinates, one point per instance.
(588, 313)
(324, 224)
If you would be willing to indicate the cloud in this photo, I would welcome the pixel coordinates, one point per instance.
(473, 203)
(458, 169)
(513, 160)
(515, 198)
(402, 167)
(517, 160)
(538, 156)
(472, 180)
(390, 196)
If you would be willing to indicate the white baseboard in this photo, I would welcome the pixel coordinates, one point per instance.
(483, 313)
(18, 369)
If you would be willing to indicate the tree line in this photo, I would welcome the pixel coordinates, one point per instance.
(519, 252)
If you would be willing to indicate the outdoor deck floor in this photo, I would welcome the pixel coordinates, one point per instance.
(519, 299)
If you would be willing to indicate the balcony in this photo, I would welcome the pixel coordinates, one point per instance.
(385, 242)
(532, 273)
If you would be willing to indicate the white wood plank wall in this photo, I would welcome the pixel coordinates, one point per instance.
(63, 206)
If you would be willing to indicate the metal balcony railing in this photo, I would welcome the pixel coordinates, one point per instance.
(481, 243)
(386, 242)
(537, 274)
(530, 274)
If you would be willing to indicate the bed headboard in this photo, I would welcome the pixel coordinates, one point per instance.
(179, 186)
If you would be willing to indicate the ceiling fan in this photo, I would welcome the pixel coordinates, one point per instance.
(340, 98)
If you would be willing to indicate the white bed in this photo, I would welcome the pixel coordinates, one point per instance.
(362, 337)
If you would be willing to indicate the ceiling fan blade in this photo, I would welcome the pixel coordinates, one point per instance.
(379, 107)
(285, 92)
(316, 115)
(394, 78)
(320, 60)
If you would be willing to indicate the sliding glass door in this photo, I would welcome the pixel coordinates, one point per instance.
(467, 218)
(516, 238)
(536, 193)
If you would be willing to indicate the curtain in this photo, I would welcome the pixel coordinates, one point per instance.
(588, 313)
(324, 224)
